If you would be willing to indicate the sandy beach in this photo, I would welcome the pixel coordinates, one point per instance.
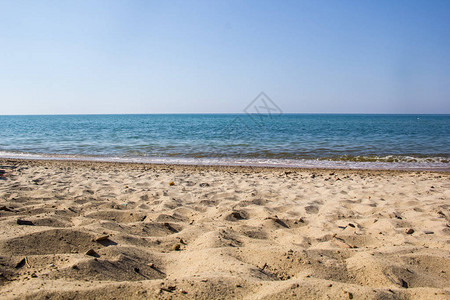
(85, 230)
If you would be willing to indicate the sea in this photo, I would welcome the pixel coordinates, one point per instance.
(351, 141)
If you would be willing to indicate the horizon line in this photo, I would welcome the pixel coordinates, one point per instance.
(218, 113)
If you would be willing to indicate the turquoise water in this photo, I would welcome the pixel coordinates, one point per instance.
(355, 141)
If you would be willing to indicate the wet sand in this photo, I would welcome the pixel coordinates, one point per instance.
(84, 230)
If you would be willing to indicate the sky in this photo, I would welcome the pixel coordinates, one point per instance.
(96, 57)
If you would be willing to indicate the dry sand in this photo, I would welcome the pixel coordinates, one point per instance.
(84, 230)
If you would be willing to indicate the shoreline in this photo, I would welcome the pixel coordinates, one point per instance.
(216, 166)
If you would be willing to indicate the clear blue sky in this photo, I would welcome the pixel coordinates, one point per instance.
(59, 57)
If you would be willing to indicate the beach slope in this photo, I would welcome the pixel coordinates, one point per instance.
(84, 230)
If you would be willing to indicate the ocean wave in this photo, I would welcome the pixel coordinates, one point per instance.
(343, 162)
(391, 159)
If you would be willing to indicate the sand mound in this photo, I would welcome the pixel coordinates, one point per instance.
(118, 216)
(120, 264)
(49, 242)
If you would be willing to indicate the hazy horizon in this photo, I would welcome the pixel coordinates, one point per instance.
(230, 113)
(322, 57)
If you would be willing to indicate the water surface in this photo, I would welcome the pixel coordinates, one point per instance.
(355, 141)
